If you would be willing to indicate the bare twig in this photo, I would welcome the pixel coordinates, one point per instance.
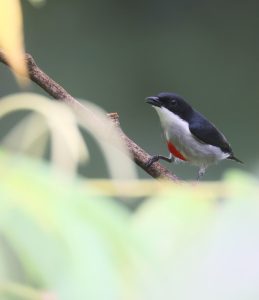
(140, 156)
(59, 93)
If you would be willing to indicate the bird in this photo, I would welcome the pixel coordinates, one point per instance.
(190, 137)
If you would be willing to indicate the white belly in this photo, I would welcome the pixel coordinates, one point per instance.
(177, 131)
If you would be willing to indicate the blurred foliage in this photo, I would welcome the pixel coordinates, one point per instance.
(56, 235)
(32, 133)
(11, 37)
(204, 239)
(61, 239)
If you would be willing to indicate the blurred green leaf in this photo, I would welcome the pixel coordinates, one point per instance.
(65, 238)
(33, 131)
(59, 239)
(204, 241)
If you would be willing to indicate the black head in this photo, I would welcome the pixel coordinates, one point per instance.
(172, 102)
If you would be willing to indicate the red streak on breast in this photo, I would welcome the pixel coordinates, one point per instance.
(174, 151)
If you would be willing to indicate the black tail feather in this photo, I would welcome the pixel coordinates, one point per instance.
(232, 157)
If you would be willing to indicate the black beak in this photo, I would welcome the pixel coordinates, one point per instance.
(153, 101)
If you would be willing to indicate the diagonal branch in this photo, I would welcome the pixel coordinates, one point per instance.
(59, 93)
(140, 156)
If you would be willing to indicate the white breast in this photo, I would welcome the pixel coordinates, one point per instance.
(177, 131)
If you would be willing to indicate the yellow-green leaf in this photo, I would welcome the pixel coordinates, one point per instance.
(11, 36)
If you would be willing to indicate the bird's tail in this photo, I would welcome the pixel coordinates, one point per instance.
(232, 157)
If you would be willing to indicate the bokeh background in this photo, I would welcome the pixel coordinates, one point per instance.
(116, 53)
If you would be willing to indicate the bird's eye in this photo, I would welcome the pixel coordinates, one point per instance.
(173, 101)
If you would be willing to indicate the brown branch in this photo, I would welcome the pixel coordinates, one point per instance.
(140, 156)
(59, 93)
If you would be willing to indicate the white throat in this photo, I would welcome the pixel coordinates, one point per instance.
(172, 123)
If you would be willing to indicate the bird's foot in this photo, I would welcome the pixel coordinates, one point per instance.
(156, 158)
(152, 160)
(201, 173)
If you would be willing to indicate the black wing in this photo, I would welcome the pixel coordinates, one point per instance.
(207, 133)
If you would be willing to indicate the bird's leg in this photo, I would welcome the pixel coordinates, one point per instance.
(201, 173)
(156, 158)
